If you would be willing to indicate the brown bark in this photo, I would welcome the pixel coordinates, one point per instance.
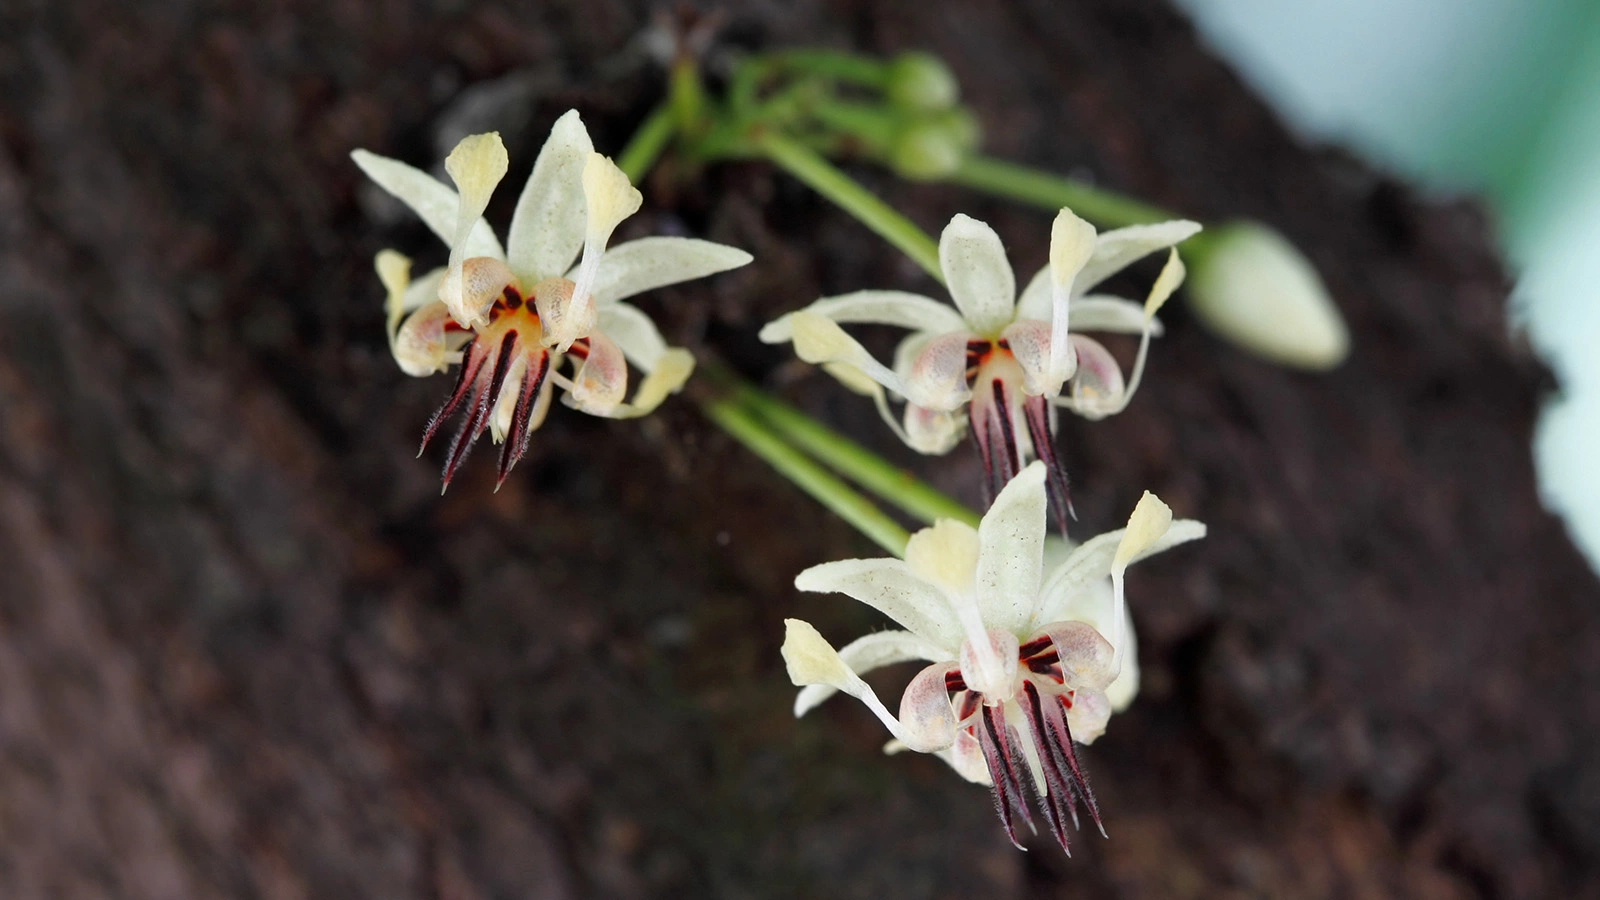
(246, 650)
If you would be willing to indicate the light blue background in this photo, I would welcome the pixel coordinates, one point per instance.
(1494, 96)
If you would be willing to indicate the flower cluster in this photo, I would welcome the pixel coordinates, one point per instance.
(510, 317)
(1011, 361)
(1026, 660)
(1023, 663)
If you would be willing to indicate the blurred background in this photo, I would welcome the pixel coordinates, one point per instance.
(1488, 97)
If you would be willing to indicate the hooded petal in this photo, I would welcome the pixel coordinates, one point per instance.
(672, 369)
(933, 432)
(937, 378)
(979, 278)
(1072, 242)
(897, 308)
(889, 586)
(648, 263)
(1011, 552)
(477, 165)
(547, 228)
(419, 345)
(873, 651)
(608, 199)
(819, 341)
(602, 378)
(927, 721)
(435, 203)
(1116, 250)
(1029, 341)
(811, 660)
(1069, 590)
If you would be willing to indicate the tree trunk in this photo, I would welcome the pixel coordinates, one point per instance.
(247, 650)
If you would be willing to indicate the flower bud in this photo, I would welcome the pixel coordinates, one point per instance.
(1252, 287)
(922, 82)
(933, 147)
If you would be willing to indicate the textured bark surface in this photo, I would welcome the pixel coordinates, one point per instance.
(247, 650)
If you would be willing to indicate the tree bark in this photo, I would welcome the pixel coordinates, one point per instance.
(247, 650)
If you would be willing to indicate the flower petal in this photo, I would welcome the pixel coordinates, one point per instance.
(927, 721)
(672, 369)
(873, 651)
(933, 432)
(810, 660)
(602, 378)
(1011, 554)
(897, 308)
(419, 345)
(1067, 592)
(938, 375)
(433, 202)
(608, 199)
(979, 278)
(648, 263)
(1116, 250)
(1029, 341)
(819, 340)
(890, 587)
(1072, 242)
(477, 165)
(1084, 652)
(547, 228)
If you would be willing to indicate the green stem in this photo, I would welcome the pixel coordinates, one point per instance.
(855, 462)
(821, 176)
(1051, 192)
(686, 96)
(647, 143)
(839, 498)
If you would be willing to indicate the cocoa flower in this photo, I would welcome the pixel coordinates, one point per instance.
(510, 317)
(1024, 663)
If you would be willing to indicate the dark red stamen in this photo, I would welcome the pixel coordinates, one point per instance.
(473, 425)
(469, 374)
(1037, 411)
(517, 438)
(997, 741)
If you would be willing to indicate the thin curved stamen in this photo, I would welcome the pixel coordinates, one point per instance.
(1037, 412)
(517, 439)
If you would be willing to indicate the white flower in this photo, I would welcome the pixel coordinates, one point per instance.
(1010, 358)
(1024, 663)
(511, 316)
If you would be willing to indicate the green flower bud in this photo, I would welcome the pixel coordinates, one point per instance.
(1252, 287)
(921, 81)
(934, 147)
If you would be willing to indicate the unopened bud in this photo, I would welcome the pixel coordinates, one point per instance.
(1254, 288)
(921, 81)
(934, 147)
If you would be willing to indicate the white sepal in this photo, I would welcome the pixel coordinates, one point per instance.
(1011, 552)
(547, 227)
(890, 587)
(433, 202)
(634, 267)
(897, 308)
(977, 274)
